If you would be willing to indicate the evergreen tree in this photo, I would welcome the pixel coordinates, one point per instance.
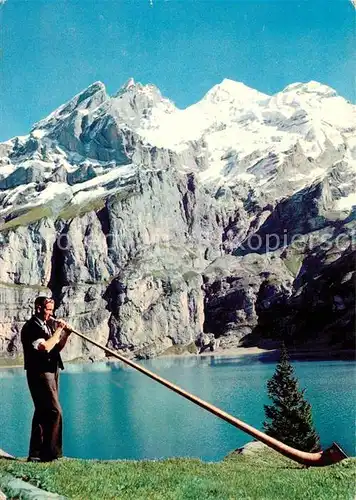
(289, 417)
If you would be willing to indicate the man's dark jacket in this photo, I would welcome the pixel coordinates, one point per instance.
(39, 361)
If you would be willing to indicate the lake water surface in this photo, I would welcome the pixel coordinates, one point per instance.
(113, 411)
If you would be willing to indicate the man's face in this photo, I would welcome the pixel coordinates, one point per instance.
(47, 311)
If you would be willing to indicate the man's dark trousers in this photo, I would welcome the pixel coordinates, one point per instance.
(46, 433)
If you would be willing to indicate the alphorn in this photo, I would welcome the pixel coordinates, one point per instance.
(329, 456)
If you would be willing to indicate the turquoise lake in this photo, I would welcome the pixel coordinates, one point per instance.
(113, 411)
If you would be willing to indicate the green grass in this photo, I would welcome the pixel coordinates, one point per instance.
(11, 361)
(26, 218)
(158, 274)
(180, 349)
(190, 276)
(293, 262)
(18, 286)
(265, 476)
(273, 281)
(71, 211)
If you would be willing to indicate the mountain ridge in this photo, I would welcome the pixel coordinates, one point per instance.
(151, 197)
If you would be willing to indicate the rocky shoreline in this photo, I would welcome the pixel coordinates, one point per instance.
(267, 355)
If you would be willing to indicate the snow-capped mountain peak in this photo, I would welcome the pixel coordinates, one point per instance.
(234, 92)
(234, 135)
(130, 83)
(312, 87)
(85, 100)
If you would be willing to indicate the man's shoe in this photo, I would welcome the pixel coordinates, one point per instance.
(50, 459)
(33, 459)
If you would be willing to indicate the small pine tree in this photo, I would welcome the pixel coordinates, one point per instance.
(289, 417)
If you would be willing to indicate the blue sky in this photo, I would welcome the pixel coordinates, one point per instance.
(52, 49)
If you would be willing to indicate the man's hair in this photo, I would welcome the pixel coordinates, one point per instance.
(41, 302)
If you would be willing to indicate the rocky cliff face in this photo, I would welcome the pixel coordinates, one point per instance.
(150, 225)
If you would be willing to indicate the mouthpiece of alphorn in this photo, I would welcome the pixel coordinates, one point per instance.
(52, 318)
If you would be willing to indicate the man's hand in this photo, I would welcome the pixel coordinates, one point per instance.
(48, 344)
(62, 324)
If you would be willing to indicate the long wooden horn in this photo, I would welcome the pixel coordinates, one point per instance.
(331, 455)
